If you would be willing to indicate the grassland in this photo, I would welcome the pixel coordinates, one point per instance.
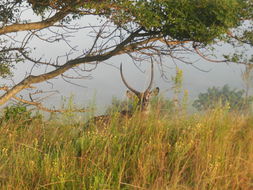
(212, 150)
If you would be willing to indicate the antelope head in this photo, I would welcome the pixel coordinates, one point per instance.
(142, 97)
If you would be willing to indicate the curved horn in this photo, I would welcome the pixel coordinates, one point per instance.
(152, 76)
(124, 81)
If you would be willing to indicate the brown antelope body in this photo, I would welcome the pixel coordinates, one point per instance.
(143, 102)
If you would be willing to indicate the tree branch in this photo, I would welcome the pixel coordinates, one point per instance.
(125, 46)
(35, 25)
(43, 108)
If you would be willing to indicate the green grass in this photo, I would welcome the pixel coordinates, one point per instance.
(202, 151)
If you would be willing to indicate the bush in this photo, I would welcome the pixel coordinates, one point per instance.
(216, 96)
(119, 105)
(19, 113)
(158, 104)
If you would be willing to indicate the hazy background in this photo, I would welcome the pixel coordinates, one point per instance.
(106, 82)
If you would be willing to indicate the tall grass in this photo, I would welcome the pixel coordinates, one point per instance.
(202, 151)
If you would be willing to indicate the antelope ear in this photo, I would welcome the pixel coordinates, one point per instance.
(155, 92)
(130, 94)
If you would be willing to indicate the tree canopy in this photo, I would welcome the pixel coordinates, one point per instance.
(138, 28)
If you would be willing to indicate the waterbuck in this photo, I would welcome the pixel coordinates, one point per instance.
(142, 106)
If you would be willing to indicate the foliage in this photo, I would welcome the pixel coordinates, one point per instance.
(214, 96)
(7, 60)
(119, 105)
(207, 151)
(162, 105)
(159, 104)
(19, 114)
(177, 86)
(9, 10)
(178, 81)
(193, 20)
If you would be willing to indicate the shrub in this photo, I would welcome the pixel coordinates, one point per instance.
(158, 104)
(19, 113)
(215, 96)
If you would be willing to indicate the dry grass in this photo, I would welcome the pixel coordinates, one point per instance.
(201, 151)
